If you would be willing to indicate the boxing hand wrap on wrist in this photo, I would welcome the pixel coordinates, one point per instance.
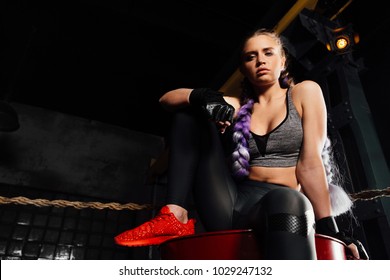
(212, 104)
(327, 226)
(202, 96)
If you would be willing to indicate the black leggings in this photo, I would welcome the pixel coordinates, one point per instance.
(281, 217)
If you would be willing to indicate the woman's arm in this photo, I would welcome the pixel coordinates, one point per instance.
(213, 104)
(310, 168)
(180, 97)
(176, 98)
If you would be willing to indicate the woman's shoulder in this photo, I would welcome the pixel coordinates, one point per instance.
(306, 89)
(306, 85)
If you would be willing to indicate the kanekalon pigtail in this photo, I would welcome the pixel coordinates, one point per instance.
(285, 80)
(240, 155)
(340, 200)
(241, 130)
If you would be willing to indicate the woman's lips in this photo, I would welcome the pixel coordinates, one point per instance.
(262, 71)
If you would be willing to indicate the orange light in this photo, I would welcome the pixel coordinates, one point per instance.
(342, 43)
(356, 38)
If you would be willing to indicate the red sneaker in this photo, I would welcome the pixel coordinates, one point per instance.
(163, 227)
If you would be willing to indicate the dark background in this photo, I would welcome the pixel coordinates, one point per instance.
(85, 77)
(111, 60)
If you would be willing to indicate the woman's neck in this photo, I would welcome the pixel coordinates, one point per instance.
(266, 95)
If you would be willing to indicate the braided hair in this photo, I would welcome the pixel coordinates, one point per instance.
(340, 201)
(241, 131)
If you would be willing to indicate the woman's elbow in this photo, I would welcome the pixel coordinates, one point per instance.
(307, 167)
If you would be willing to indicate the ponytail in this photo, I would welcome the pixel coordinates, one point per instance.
(340, 200)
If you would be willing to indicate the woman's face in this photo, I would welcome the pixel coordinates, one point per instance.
(262, 60)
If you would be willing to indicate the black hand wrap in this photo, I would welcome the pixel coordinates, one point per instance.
(328, 226)
(212, 104)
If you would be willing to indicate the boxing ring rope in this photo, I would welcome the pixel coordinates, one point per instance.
(363, 195)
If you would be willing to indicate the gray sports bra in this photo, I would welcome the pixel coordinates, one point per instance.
(281, 146)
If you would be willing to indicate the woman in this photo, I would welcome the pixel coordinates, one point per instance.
(274, 180)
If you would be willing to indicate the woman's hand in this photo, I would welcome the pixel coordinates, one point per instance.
(355, 247)
(222, 126)
(213, 106)
(328, 226)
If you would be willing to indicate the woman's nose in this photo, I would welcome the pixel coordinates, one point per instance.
(259, 62)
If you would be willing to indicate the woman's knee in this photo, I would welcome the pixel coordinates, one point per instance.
(288, 210)
(286, 200)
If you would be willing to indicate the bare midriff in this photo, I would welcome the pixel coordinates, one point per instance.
(275, 175)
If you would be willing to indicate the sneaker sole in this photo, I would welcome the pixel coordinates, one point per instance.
(145, 242)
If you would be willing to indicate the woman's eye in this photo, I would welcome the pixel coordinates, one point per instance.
(250, 57)
(269, 53)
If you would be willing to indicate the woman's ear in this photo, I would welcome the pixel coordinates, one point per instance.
(283, 61)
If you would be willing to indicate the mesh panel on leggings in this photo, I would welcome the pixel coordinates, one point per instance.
(290, 223)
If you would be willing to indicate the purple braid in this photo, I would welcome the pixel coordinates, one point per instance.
(241, 132)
